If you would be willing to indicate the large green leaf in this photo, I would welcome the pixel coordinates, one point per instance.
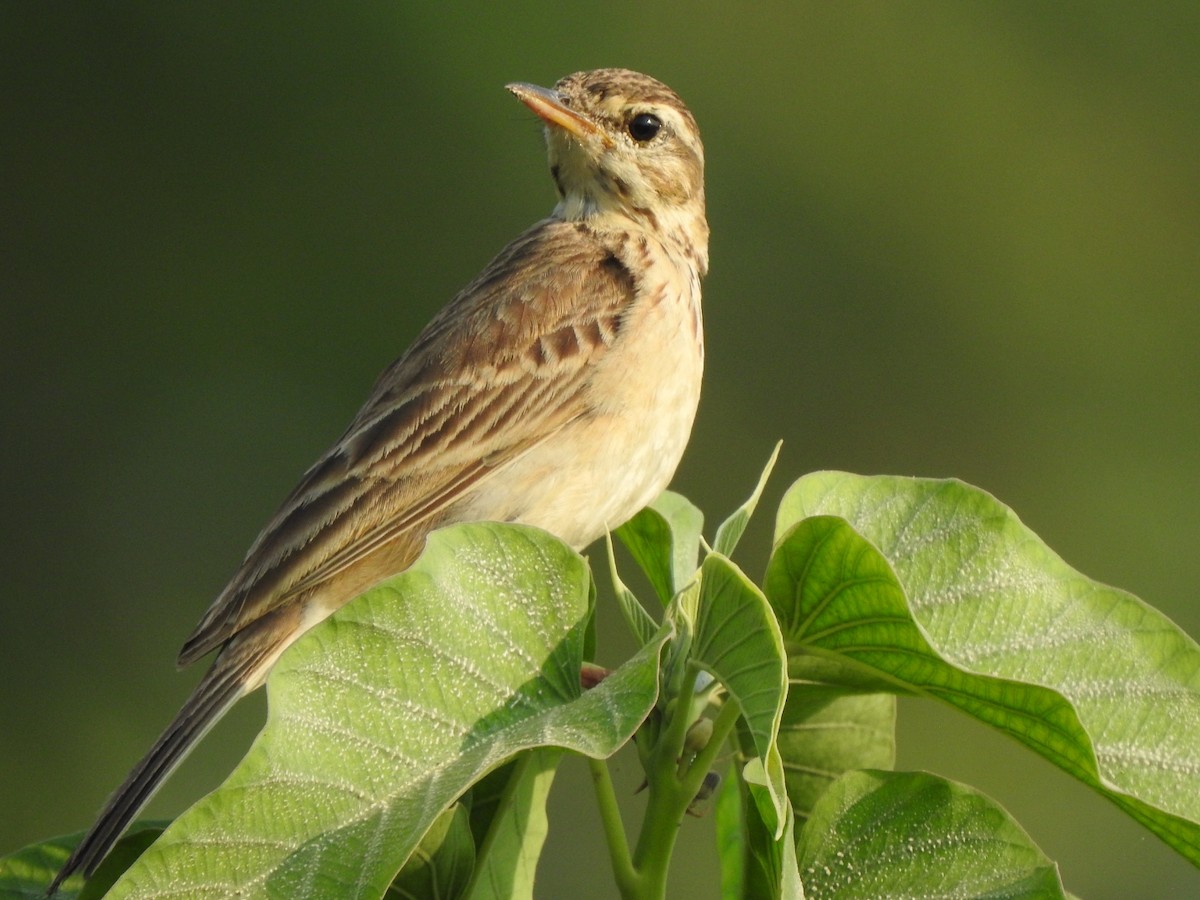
(26, 872)
(509, 855)
(938, 589)
(664, 539)
(828, 729)
(908, 834)
(379, 718)
(440, 867)
(736, 638)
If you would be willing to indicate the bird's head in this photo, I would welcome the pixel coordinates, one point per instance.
(623, 145)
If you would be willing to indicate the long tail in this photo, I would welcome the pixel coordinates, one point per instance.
(232, 675)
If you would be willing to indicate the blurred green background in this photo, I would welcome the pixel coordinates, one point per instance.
(948, 239)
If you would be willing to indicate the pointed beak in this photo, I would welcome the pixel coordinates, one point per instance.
(549, 107)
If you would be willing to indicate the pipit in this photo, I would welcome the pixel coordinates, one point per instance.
(557, 389)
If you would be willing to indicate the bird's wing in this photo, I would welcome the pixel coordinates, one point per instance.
(497, 371)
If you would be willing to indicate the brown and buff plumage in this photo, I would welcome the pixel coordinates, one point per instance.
(557, 389)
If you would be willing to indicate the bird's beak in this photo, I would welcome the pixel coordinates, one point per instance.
(549, 107)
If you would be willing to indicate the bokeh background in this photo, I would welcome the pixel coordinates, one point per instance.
(949, 238)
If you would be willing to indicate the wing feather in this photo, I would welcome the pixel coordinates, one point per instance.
(499, 370)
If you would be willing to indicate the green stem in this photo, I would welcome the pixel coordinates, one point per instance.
(665, 808)
(670, 748)
(668, 798)
(671, 789)
(722, 727)
(614, 829)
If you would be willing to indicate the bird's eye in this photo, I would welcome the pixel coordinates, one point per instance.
(644, 126)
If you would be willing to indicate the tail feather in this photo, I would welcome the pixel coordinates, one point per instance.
(221, 687)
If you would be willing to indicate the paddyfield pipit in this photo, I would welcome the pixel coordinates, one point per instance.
(557, 389)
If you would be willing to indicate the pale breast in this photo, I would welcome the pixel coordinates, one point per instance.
(602, 468)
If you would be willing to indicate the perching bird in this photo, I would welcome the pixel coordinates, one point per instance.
(558, 389)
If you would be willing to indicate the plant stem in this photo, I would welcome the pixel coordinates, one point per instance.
(667, 800)
(722, 726)
(614, 829)
(670, 746)
(671, 790)
(665, 808)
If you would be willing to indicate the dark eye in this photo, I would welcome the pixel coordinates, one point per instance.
(644, 126)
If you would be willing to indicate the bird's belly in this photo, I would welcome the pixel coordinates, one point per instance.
(600, 469)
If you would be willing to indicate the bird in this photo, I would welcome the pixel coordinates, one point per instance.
(557, 389)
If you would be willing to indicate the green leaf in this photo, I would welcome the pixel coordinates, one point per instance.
(589, 631)
(126, 852)
(644, 628)
(791, 886)
(382, 716)
(509, 855)
(664, 539)
(730, 824)
(908, 834)
(736, 638)
(487, 795)
(754, 863)
(731, 530)
(943, 592)
(829, 726)
(441, 866)
(828, 729)
(26, 872)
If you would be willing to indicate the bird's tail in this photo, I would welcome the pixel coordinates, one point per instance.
(232, 675)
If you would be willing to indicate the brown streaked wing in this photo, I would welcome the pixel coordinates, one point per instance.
(497, 371)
